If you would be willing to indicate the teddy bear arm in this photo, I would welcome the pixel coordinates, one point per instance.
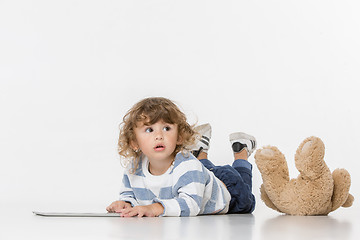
(265, 198)
(341, 196)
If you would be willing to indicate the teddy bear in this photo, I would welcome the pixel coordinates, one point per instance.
(316, 191)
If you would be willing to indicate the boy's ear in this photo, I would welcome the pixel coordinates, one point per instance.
(134, 145)
(179, 141)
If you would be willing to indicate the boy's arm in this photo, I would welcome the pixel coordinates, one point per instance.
(190, 188)
(126, 192)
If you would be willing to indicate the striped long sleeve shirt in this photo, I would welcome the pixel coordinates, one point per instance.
(186, 189)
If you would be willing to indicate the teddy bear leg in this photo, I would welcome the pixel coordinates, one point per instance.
(274, 171)
(265, 198)
(341, 196)
(309, 158)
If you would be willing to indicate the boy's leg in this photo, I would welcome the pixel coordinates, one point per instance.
(243, 145)
(242, 166)
(202, 155)
(242, 199)
(241, 155)
(203, 158)
(202, 143)
(237, 183)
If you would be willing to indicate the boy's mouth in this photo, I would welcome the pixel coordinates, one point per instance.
(159, 147)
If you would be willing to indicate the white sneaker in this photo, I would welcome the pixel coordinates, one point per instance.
(203, 139)
(240, 140)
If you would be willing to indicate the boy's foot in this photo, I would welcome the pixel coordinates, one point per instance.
(240, 141)
(203, 140)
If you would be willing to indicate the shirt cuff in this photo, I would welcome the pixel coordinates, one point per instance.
(171, 207)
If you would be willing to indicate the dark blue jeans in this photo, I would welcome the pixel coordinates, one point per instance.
(238, 180)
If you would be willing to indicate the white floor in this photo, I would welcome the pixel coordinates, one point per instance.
(18, 222)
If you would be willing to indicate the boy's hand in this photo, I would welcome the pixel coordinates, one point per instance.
(152, 210)
(117, 206)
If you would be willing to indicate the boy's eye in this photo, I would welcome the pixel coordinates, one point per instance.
(148, 130)
(166, 128)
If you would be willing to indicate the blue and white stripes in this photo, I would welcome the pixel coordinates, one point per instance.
(186, 189)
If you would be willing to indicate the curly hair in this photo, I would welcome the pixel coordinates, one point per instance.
(149, 111)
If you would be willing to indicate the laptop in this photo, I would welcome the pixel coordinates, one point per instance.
(73, 214)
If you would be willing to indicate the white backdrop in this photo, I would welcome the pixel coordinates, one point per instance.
(69, 70)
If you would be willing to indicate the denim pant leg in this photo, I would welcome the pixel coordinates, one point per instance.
(244, 168)
(208, 164)
(237, 179)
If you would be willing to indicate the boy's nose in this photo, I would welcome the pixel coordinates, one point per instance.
(159, 136)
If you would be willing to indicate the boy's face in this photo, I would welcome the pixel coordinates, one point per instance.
(157, 141)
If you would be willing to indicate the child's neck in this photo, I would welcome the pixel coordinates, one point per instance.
(158, 168)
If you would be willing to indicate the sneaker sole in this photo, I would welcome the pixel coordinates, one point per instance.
(241, 135)
(203, 141)
(204, 128)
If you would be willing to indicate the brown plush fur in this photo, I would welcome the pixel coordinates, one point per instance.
(314, 192)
